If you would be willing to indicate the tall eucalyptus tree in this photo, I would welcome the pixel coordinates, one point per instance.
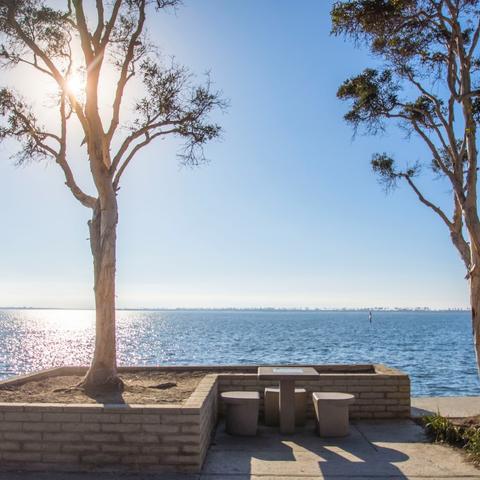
(92, 37)
(430, 85)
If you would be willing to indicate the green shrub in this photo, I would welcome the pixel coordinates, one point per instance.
(472, 442)
(441, 429)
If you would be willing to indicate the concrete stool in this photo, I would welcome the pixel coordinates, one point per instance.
(241, 412)
(271, 402)
(331, 410)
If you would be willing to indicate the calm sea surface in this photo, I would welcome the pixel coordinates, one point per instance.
(434, 348)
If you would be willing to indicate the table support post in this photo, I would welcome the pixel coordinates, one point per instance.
(287, 406)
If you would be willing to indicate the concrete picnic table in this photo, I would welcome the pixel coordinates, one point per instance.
(286, 377)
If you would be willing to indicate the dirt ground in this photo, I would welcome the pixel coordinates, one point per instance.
(140, 388)
(466, 421)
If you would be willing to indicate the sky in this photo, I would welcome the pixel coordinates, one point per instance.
(286, 214)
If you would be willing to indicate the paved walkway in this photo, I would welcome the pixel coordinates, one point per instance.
(446, 406)
(374, 450)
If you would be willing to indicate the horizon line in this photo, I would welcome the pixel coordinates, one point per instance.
(280, 309)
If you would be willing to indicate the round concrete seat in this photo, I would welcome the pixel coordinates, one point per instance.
(271, 403)
(334, 397)
(240, 397)
(241, 412)
(331, 410)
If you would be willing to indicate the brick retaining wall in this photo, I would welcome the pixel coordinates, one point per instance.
(80, 437)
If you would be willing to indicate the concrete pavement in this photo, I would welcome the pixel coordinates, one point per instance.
(446, 406)
(376, 449)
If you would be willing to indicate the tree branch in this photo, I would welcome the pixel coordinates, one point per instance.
(443, 120)
(426, 202)
(61, 159)
(473, 45)
(456, 234)
(134, 136)
(133, 152)
(124, 71)
(82, 29)
(50, 65)
(100, 24)
(111, 23)
(458, 187)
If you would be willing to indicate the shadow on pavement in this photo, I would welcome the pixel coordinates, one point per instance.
(303, 454)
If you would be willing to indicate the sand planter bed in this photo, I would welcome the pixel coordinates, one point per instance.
(171, 429)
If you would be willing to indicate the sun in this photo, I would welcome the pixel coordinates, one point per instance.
(75, 85)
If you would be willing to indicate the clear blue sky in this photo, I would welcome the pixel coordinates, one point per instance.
(286, 214)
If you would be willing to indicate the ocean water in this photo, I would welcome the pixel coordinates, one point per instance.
(434, 348)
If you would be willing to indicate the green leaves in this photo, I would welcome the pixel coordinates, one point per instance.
(406, 32)
(466, 436)
(18, 122)
(360, 17)
(421, 111)
(384, 166)
(173, 102)
(58, 43)
(388, 174)
(420, 85)
(373, 95)
(429, 86)
(47, 27)
(442, 429)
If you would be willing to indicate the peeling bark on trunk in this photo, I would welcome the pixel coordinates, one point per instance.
(475, 304)
(102, 374)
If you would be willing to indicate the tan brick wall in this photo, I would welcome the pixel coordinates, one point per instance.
(114, 437)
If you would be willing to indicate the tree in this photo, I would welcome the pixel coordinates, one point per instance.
(429, 85)
(107, 34)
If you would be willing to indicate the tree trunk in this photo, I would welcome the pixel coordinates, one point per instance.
(475, 304)
(102, 374)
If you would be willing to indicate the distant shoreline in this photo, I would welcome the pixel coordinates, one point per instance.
(257, 309)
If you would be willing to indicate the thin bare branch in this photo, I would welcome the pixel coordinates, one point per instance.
(474, 43)
(82, 29)
(135, 150)
(111, 23)
(97, 35)
(61, 159)
(456, 234)
(124, 77)
(428, 203)
(52, 68)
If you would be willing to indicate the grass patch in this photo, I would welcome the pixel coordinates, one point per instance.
(465, 435)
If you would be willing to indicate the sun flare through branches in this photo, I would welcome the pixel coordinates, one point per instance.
(75, 85)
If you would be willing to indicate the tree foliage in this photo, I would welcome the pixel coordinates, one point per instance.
(44, 38)
(429, 84)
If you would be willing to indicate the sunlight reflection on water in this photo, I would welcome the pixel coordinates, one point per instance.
(435, 348)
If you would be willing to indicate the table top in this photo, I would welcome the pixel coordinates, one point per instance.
(287, 373)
